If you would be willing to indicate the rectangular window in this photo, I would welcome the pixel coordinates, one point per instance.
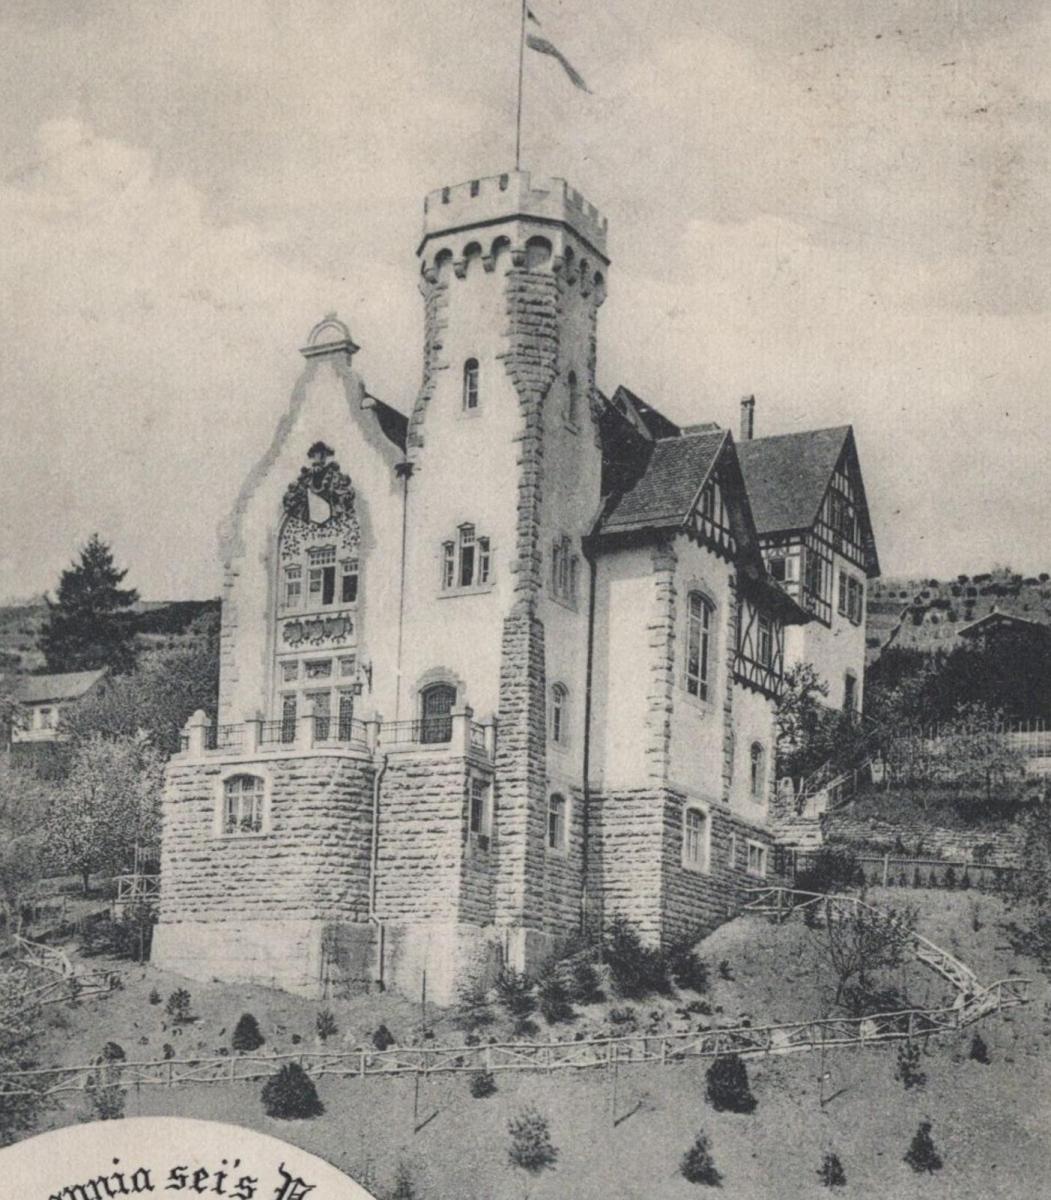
(349, 582)
(289, 671)
(556, 823)
(766, 641)
(478, 817)
(293, 586)
(346, 716)
(731, 851)
(243, 805)
(466, 555)
(320, 668)
(321, 555)
(756, 860)
(321, 703)
(314, 584)
(694, 839)
(564, 570)
(347, 666)
(288, 718)
(483, 560)
(328, 585)
(776, 566)
(698, 645)
(844, 594)
(448, 564)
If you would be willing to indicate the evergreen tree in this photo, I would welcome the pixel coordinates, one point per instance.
(921, 1155)
(831, 1173)
(87, 625)
(698, 1166)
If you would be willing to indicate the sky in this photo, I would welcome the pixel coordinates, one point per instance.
(840, 208)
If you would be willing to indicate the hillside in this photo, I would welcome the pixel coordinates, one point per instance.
(157, 623)
(989, 1121)
(924, 614)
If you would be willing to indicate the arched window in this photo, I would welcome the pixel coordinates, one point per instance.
(559, 714)
(556, 822)
(470, 384)
(243, 804)
(573, 400)
(436, 706)
(757, 777)
(698, 644)
(695, 840)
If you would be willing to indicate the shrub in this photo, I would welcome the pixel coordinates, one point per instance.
(155, 996)
(921, 1154)
(554, 1001)
(291, 1095)
(637, 970)
(383, 1039)
(531, 1147)
(830, 870)
(178, 1006)
(979, 1050)
(515, 994)
(129, 936)
(917, 881)
(688, 970)
(831, 1173)
(526, 1027)
(473, 1010)
(113, 1052)
(727, 1085)
(105, 1096)
(699, 1007)
(950, 877)
(247, 1035)
(482, 1084)
(725, 970)
(908, 1068)
(168, 1051)
(697, 1164)
(404, 1187)
(325, 1025)
(626, 1016)
(965, 881)
(584, 986)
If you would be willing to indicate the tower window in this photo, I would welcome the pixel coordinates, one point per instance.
(559, 714)
(556, 822)
(573, 400)
(698, 645)
(470, 384)
(695, 840)
(565, 569)
(467, 561)
(479, 814)
(850, 692)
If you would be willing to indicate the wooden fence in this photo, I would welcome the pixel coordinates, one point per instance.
(893, 870)
(973, 1001)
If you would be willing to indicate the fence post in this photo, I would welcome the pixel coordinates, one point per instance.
(886, 864)
(361, 1063)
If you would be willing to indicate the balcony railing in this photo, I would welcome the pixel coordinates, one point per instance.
(455, 731)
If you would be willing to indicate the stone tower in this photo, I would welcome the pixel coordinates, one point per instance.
(504, 439)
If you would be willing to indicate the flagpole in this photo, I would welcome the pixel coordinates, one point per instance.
(521, 68)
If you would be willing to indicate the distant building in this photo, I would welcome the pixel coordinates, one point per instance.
(499, 669)
(42, 700)
(808, 500)
(996, 625)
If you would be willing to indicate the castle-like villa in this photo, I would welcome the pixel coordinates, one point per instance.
(506, 667)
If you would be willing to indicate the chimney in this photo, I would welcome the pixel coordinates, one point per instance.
(747, 418)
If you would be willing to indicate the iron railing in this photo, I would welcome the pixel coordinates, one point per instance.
(429, 731)
(277, 733)
(223, 737)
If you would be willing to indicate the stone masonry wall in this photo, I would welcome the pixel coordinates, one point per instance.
(999, 847)
(312, 863)
(521, 801)
(421, 841)
(637, 871)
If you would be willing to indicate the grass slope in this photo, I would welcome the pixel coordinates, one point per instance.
(990, 1123)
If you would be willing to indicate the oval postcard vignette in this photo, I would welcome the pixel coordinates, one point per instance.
(166, 1156)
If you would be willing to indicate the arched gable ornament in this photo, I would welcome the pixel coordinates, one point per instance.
(322, 491)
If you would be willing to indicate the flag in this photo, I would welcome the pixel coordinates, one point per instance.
(542, 46)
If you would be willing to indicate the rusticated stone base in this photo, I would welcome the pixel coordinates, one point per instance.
(637, 872)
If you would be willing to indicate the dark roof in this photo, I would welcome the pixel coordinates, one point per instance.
(787, 476)
(999, 622)
(394, 424)
(664, 494)
(36, 689)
